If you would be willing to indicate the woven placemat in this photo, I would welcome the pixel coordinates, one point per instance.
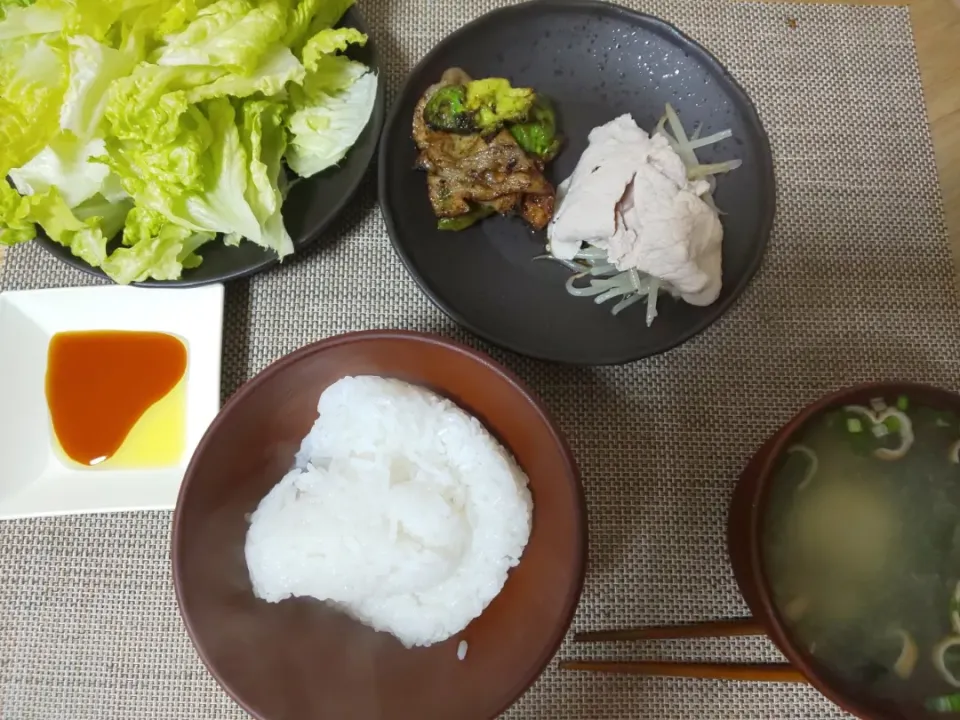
(857, 285)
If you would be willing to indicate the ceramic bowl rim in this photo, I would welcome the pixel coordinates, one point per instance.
(611, 9)
(519, 388)
(768, 455)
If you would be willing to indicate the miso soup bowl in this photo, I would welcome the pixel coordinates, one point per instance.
(745, 527)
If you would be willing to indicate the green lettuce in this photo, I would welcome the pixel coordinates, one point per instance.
(233, 34)
(26, 19)
(176, 17)
(136, 131)
(219, 203)
(154, 248)
(265, 141)
(67, 165)
(277, 68)
(85, 230)
(93, 69)
(15, 223)
(33, 78)
(332, 107)
(7, 5)
(307, 17)
(327, 42)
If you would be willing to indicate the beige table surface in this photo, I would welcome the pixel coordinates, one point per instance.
(936, 29)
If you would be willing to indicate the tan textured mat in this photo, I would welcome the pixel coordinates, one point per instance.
(857, 285)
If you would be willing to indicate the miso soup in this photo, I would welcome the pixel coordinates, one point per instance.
(861, 546)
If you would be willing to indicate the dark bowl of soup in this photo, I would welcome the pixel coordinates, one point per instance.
(844, 536)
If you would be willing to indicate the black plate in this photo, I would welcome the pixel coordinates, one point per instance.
(307, 211)
(595, 61)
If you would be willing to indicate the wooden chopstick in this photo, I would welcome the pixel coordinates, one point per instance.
(718, 628)
(708, 671)
(714, 671)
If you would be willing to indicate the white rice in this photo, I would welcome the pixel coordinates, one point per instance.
(402, 510)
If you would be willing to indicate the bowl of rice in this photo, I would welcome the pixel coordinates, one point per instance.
(381, 525)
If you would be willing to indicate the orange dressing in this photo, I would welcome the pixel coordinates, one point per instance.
(101, 383)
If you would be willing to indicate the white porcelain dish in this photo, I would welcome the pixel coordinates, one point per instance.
(33, 479)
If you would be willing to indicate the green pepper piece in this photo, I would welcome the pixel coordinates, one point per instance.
(462, 222)
(446, 110)
(538, 137)
(481, 106)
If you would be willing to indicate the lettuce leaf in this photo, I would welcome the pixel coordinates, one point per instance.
(169, 121)
(220, 204)
(327, 42)
(233, 34)
(307, 17)
(154, 248)
(265, 142)
(65, 164)
(93, 68)
(147, 106)
(33, 78)
(202, 178)
(277, 68)
(27, 19)
(68, 162)
(86, 229)
(15, 223)
(7, 5)
(176, 18)
(329, 114)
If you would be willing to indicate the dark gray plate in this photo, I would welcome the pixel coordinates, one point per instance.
(308, 210)
(595, 61)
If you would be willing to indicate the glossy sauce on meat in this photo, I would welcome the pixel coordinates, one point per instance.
(468, 170)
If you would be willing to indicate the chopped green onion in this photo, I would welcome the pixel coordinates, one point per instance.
(854, 425)
(892, 423)
(903, 403)
(944, 703)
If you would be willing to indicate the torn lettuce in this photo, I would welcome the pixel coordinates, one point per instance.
(331, 108)
(136, 131)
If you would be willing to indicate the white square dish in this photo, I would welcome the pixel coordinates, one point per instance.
(33, 478)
